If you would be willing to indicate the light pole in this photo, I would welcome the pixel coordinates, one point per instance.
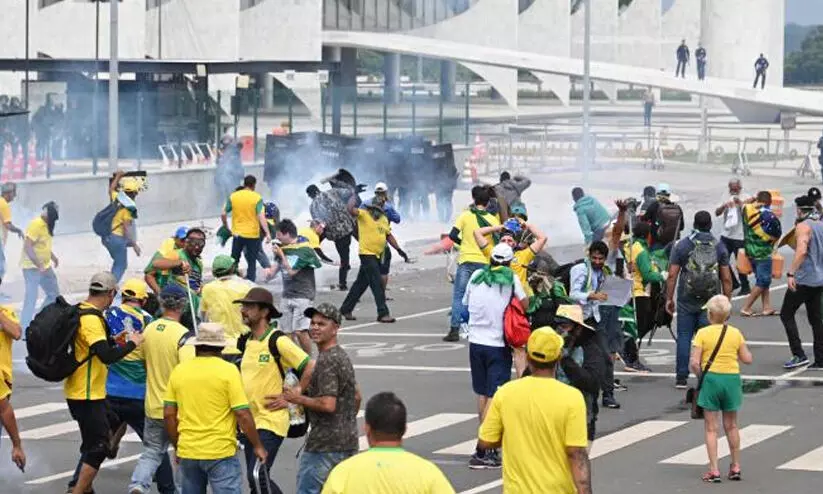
(94, 121)
(587, 92)
(114, 75)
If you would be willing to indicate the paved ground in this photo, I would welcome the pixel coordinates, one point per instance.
(642, 447)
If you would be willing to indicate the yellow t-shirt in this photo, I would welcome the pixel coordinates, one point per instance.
(5, 217)
(520, 264)
(38, 233)
(5, 390)
(167, 247)
(638, 288)
(537, 419)
(245, 206)
(261, 378)
(386, 471)
(372, 233)
(121, 217)
(726, 361)
(311, 236)
(88, 382)
(206, 392)
(466, 223)
(161, 352)
(217, 303)
(5, 347)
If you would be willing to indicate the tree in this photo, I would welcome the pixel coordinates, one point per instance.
(806, 66)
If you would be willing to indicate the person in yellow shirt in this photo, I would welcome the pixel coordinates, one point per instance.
(541, 425)
(154, 276)
(720, 389)
(471, 257)
(217, 300)
(39, 261)
(386, 468)
(9, 331)
(123, 235)
(267, 355)
(161, 352)
(248, 221)
(85, 388)
(203, 405)
(8, 192)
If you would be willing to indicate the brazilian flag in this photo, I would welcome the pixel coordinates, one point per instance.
(301, 255)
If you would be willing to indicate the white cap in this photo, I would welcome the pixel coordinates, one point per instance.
(381, 187)
(502, 253)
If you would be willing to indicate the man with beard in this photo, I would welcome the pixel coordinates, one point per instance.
(38, 262)
(185, 265)
(328, 207)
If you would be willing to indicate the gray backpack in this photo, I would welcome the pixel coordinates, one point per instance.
(702, 276)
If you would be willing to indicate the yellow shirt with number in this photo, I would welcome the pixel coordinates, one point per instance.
(38, 233)
(537, 418)
(466, 223)
(206, 392)
(5, 217)
(372, 233)
(726, 361)
(261, 378)
(161, 350)
(5, 347)
(386, 470)
(245, 206)
(88, 382)
(311, 236)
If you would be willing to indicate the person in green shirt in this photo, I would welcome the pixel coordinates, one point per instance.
(185, 265)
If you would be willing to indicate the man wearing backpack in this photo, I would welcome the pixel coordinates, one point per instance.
(85, 388)
(761, 231)
(38, 262)
(665, 217)
(119, 232)
(699, 268)
(267, 356)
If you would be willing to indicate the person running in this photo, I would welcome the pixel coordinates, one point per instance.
(153, 276)
(760, 67)
(160, 353)
(471, 258)
(248, 221)
(267, 356)
(488, 294)
(721, 389)
(203, 406)
(8, 192)
(761, 231)
(699, 268)
(123, 234)
(805, 280)
(10, 331)
(297, 260)
(339, 226)
(541, 425)
(85, 388)
(591, 215)
(331, 401)
(218, 296)
(386, 466)
(732, 236)
(373, 229)
(39, 262)
(644, 272)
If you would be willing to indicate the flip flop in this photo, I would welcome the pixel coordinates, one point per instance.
(744, 313)
(772, 312)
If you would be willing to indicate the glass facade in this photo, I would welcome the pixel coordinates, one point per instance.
(389, 15)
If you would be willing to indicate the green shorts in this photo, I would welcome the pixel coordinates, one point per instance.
(721, 392)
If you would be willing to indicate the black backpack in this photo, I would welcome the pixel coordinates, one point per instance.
(50, 340)
(101, 224)
(702, 273)
(669, 216)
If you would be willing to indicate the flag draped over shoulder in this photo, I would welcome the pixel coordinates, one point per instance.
(301, 255)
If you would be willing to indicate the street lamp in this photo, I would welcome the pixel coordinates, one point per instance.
(587, 92)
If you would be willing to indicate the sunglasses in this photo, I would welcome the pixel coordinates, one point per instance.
(196, 242)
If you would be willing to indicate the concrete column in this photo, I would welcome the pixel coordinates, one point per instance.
(448, 74)
(268, 91)
(348, 68)
(391, 77)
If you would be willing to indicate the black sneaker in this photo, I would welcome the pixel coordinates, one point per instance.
(486, 462)
(619, 386)
(817, 366)
(681, 384)
(454, 335)
(610, 402)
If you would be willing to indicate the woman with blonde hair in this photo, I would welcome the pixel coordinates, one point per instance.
(717, 351)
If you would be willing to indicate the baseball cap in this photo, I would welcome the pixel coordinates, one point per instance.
(173, 290)
(326, 310)
(136, 288)
(181, 232)
(381, 187)
(664, 189)
(519, 210)
(502, 253)
(103, 282)
(130, 185)
(222, 265)
(544, 345)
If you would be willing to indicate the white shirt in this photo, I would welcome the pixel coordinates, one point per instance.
(487, 305)
(734, 232)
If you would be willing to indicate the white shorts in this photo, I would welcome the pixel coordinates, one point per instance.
(293, 318)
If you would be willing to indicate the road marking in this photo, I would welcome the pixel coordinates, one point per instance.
(396, 335)
(465, 448)
(49, 430)
(41, 409)
(400, 318)
(811, 462)
(69, 473)
(749, 436)
(428, 424)
(414, 368)
(749, 343)
(630, 435)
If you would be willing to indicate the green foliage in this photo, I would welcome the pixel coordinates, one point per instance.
(806, 66)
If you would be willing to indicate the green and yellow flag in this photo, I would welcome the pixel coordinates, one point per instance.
(301, 255)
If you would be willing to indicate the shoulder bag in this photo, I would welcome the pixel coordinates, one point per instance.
(693, 393)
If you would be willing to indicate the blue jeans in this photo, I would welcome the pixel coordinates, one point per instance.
(118, 248)
(224, 476)
(687, 325)
(647, 114)
(250, 248)
(461, 279)
(314, 469)
(156, 443)
(33, 279)
(271, 442)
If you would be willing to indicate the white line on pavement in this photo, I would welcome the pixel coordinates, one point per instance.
(749, 436)
(748, 342)
(810, 462)
(41, 409)
(397, 335)
(400, 318)
(428, 424)
(69, 473)
(49, 430)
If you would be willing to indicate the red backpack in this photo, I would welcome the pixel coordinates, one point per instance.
(516, 327)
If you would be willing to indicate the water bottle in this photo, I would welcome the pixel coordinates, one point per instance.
(297, 415)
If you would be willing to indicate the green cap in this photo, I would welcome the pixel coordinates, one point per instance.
(326, 310)
(222, 265)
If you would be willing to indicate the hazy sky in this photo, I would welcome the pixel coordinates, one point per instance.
(797, 11)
